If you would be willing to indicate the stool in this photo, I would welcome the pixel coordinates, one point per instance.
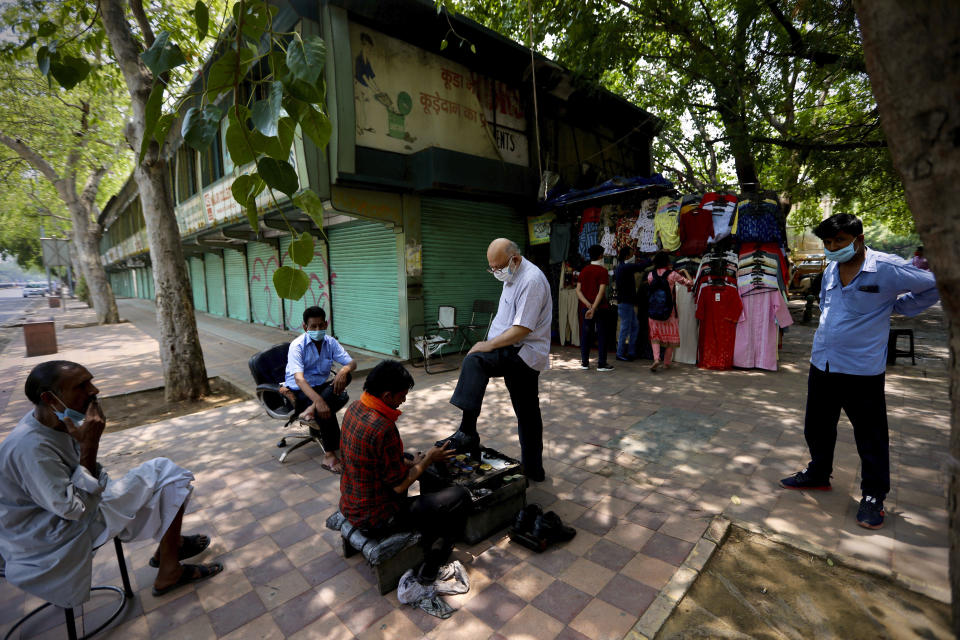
(125, 594)
(893, 352)
(389, 557)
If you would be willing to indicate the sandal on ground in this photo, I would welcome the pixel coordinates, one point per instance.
(656, 365)
(336, 467)
(191, 546)
(191, 573)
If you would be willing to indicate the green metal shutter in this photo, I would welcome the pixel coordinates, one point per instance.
(238, 297)
(216, 293)
(262, 262)
(150, 285)
(198, 283)
(318, 293)
(142, 282)
(455, 235)
(363, 281)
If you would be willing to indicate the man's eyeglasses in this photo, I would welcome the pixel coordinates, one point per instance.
(500, 270)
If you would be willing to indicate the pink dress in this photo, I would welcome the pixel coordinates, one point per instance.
(666, 333)
(764, 313)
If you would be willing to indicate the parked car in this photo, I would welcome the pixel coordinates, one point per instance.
(34, 289)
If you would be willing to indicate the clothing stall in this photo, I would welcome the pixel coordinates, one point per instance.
(734, 313)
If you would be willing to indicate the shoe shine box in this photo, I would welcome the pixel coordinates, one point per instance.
(497, 493)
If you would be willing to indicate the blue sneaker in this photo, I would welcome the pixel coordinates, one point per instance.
(870, 514)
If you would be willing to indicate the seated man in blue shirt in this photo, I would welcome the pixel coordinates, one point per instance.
(861, 288)
(318, 398)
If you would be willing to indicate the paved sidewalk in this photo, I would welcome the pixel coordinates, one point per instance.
(639, 462)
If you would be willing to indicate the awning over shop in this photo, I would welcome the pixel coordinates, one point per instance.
(617, 186)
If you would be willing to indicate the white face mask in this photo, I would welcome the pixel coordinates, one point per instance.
(506, 274)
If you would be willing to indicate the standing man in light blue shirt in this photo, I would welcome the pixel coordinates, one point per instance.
(318, 398)
(517, 348)
(861, 288)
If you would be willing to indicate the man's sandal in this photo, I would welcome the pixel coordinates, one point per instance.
(191, 573)
(191, 546)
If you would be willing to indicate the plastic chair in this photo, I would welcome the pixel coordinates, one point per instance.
(267, 367)
(430, 340)
(893, 352)
(481, 317)
(125, 594)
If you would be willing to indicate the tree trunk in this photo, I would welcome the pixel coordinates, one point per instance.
(87, 239)
(184, 373)
(911, 52)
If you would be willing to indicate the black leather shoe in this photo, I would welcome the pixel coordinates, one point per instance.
(463, 443)
(550, 527)
(526, 517)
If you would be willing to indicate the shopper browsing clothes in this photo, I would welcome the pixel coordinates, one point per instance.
(662, 309)
(861, 288)
(592, 293)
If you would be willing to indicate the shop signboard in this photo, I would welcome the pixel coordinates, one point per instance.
(538, 228)
(408, 99)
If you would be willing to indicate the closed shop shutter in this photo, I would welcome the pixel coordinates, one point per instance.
(318, 293)
(238, 298)
(456, 234)
(199, 284)
(142, 291)
(216, 295)
(150, 285)
(366, 306)
(262, 262)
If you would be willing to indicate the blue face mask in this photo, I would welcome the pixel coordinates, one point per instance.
(841, 255)
(319, 334)
(75, 416)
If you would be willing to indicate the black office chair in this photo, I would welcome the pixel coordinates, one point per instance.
(268, 368)
(126, 594)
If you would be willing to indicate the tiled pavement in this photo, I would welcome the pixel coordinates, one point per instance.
(639, 462)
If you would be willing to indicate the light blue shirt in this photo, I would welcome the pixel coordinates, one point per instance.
(855, 319)
(315, 364)
(525, 301)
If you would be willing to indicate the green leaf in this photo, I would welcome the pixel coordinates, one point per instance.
(312, 93)
(266, 112)
(202, 16)
(150, 117)
(163, 55)
(222, 74)
(316, 126)
(473, 48)
(200, 126)
(254, 18)
(279, 175)
(290, 283)
(245, 190)
(43, 60)
(305, 58)
(309, 202)
(277, 146)
(444, 44)
(69, 70)
(239, 147)
(163, 127)
(46, 29)
(301, 249)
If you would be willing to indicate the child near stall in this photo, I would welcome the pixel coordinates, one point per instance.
(662, 309)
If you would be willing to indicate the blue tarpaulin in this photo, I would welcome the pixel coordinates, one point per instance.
(615, 186)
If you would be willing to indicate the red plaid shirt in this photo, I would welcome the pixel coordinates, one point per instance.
(372, 457)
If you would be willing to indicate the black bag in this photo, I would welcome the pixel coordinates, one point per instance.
(660, 297)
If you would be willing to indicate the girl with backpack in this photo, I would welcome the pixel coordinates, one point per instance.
(662, 309)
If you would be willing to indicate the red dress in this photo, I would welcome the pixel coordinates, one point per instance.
(718, 309)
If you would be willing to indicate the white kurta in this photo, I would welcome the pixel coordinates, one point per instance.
(54, 512)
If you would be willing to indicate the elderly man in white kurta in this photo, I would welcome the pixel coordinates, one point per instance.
(57, 504)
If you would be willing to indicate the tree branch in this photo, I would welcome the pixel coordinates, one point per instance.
(813, 145)
(35, 160)
(137, 7)
(801, 49)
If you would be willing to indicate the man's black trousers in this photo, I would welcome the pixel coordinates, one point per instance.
(522, 383)
(330, 427)
(438, 516)
(862, 399)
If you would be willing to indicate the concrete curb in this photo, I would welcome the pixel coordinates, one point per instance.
(656, 615)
